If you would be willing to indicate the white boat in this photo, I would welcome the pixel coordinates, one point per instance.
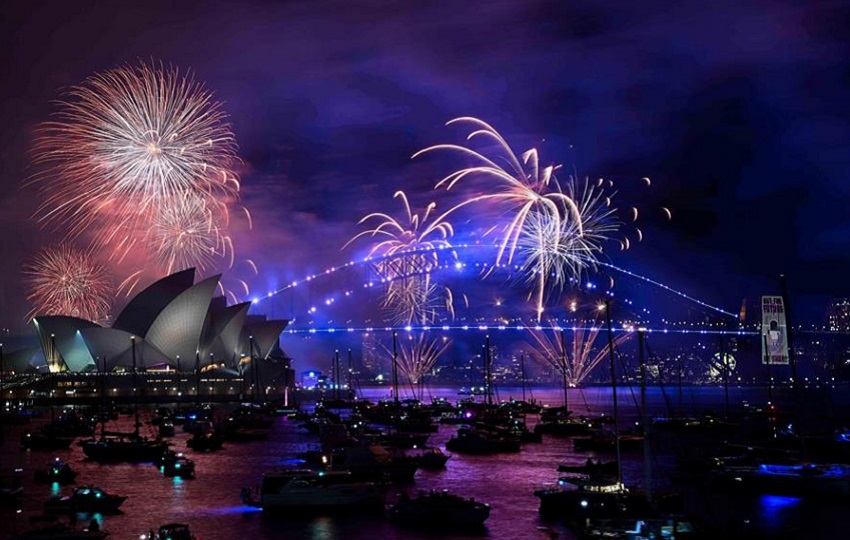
(305, 489)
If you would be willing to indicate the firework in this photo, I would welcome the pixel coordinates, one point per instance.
(406, 255)
(574, 360)
(418, 355)
(555, 251)
(125, 143)
(66, 281)
(186, 234)
(522, 188)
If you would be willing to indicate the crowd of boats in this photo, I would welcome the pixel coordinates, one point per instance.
(363, 448)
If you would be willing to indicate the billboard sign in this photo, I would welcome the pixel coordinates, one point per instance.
(774, 334)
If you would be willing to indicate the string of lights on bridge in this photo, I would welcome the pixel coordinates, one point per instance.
(504, 327)
(459, 265)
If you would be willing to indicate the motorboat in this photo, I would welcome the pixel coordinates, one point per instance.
(576, 498)
(174, 464)
(56, 471)
(672, 527)
(300, 489)
(205, 442)
(800, 480)
(482, 442)
(170, 531)
(591, 468)
(85, 499)
(439, 509)
(431, 458)
(123, 447)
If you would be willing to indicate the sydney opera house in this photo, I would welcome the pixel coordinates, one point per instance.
(173, 325)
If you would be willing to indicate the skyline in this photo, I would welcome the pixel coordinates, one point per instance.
(740, 131)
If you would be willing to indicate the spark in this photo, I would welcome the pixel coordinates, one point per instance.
(576, 359)
(556, 251)
(185, 234)
(418, 355)
(409, 253)
(67, 281)
(523, 187)
(127, 142)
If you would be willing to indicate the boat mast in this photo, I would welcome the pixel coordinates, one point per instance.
(792, 360)
(395, 367)
(614, 389)
(647, 461)
(564, 372)
(488, 389)
(350, 370)
(522, 373)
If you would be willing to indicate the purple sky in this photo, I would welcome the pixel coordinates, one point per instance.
(739, 114)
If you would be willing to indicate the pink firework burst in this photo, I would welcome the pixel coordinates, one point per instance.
(66, 281)
(128, 141)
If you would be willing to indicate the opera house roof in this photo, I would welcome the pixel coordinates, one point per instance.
(172, 319)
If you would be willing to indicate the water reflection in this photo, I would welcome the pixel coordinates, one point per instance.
(773, 510)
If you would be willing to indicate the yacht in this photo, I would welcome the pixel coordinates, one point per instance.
(299, 489)
(439, 509)
(56, 471)
(85, 499)
(576, 498)
(120, 447)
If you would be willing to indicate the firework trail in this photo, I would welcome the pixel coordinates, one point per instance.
(125, 143)
(66, 281)
(575, 359)
(417, 355)
(186, 234)
(553, 251)
(559, 233)
(409, 253)
(522, 186)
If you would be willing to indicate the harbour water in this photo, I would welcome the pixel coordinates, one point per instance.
(211, 504)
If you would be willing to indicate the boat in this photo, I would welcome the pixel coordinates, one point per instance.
(431, 458)
(85, 499)
(577, 498)
(800, 480)
(482, 442)
(205, 441)
(170, 531)
(672, 527)
(123, 447)
(591, 468)
(56, 471)
(174, 464)
(439, 509)
(304, 489)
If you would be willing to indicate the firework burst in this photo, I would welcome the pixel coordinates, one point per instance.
(66, 281)
(555, 251)
(576, 359)
(186, 234)
(125, 143)
(407, 253)
(523, 188)
(418, 354)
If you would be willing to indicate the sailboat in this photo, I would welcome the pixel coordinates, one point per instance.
(766, 475)
(116, 446)
(576, 499)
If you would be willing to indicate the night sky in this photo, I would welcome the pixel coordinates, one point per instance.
(739, 114)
